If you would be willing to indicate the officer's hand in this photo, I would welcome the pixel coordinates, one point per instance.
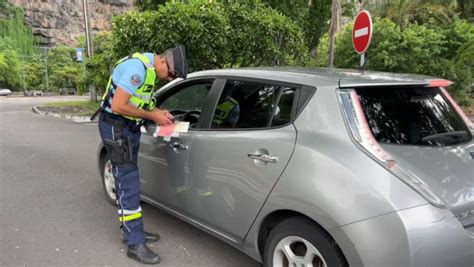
(168, 115)
(161, 117)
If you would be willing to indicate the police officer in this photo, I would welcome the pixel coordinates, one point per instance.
(127, 101)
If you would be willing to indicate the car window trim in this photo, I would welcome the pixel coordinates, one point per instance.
(211, 102)
(297, 87)
(306, 94)
(296, 96)
(456, 113)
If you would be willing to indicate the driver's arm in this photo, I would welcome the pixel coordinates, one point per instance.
(122, 106)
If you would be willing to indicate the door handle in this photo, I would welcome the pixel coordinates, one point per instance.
(263, 157)
(178, 146)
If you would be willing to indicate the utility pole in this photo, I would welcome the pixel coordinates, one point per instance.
(45, 49)
(335, 23)
(89, 44)
(46, 69)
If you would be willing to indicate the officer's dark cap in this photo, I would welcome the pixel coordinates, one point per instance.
(177, 61)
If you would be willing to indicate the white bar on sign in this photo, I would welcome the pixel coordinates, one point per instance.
(361, 32)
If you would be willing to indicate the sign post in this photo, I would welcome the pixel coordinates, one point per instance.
(362, 34)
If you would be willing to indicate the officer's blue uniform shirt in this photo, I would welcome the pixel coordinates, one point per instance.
(130, 75)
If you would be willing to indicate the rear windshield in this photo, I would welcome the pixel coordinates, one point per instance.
(415, 116)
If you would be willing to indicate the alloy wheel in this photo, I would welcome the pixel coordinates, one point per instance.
(295, 251)
(109, 180)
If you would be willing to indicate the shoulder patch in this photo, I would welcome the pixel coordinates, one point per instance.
(136, 80)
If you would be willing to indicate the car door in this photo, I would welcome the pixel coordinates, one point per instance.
(163, 163)
(235, 162)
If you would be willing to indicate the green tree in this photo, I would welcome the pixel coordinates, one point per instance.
(13, 29)
(214, 34)
(100, 65)
(417, 49)
(34, 73)
(63, 71)
(10, 69)
(260, 35)
(148, 4)
(312, 16)
(466, 8)
(16, 44)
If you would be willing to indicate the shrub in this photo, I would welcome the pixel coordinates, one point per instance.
(10, 69)
(442, 52)
(101, 63)
(63, 71)
(214, 36)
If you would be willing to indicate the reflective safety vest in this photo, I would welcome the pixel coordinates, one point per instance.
(223, 110)
(143, 97)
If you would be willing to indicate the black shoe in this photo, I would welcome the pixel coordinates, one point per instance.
(149, 238)
(143, 254)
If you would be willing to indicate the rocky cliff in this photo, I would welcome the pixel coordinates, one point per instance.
(57, 22)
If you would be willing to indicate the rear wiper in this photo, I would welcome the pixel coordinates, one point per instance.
(447, 138)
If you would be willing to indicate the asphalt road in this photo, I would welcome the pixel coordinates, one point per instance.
(52, 208)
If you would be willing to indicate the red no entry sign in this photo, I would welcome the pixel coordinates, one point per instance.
(362, 32)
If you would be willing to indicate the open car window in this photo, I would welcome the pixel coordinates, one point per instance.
(187, 103)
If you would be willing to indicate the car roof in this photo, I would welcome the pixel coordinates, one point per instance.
(321, 77)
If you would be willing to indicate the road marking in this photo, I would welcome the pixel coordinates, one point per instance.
(361, 32)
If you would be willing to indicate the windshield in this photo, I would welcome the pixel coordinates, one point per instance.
(412, 116)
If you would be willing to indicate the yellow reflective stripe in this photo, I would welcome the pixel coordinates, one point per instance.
(130, 217)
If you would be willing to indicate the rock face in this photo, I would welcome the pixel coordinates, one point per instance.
(60, 22)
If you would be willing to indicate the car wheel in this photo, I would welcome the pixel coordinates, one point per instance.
(108, 180)
(299, 242)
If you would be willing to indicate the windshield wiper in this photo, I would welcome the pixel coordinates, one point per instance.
(448, 138)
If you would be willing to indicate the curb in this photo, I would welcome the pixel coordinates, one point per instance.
(74, 118)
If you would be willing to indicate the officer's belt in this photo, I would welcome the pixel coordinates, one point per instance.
(120, 121)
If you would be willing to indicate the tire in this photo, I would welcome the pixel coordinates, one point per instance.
(108, 180)
(309, 245)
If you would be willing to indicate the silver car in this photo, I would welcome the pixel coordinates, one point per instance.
(5, 92)
(316, 167)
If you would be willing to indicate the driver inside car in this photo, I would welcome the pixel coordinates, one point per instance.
(227, 111)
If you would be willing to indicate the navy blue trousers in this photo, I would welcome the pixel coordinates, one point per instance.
(127, 180)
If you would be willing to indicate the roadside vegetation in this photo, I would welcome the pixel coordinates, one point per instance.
(424, 37)
(79, 108)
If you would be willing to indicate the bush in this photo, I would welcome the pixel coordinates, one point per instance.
(99, 66)
(63, 71)
(261, 35)
(10, 69)
(214, 36)
(442, 52)
(35, 73)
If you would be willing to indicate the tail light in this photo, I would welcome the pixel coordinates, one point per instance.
(364, 139)
(439, 83)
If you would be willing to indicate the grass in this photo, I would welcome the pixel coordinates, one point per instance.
(80, 108)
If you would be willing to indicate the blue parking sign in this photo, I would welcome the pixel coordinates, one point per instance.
(79, 54)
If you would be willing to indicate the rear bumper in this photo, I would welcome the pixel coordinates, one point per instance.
(420, 236)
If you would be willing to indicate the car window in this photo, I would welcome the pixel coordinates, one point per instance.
(282, 113)
(187, 103)
(245, 104)
(188, 98)
(412, 116)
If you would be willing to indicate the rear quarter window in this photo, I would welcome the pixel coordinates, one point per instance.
(412, 116)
